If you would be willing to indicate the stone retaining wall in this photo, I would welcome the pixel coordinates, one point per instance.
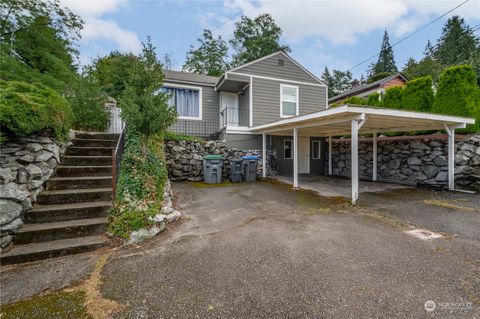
(414, 162)
(25, 164)
(184, 159)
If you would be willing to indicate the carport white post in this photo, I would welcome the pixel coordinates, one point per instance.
(264, 155)
(451, 157)
(330, 169)
(356, 125)
(374, 157)
(295, 158)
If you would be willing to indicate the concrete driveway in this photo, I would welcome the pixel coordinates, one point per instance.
(262, 250)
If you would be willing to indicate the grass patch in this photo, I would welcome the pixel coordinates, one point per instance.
(205, 185)
(172, 136)
(439, 203)
(58, 305)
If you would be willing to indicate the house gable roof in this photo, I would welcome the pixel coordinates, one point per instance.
(242, 67)
(366, 87)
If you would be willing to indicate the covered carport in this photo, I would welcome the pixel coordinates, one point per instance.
(354, 120)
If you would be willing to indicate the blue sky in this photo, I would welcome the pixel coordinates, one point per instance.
(337, 34)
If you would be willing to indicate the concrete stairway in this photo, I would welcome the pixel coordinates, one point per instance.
(70, 215)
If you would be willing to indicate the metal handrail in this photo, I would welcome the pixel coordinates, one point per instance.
(117, 155)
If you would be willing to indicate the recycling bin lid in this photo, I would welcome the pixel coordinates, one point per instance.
(251, 157)
(212, 157)
(236, 160)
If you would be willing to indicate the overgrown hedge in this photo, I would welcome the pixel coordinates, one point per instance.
(27, 108)
(140, 186)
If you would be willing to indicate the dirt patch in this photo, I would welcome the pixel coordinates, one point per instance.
(440, 203)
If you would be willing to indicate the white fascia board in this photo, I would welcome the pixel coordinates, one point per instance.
(411, 114)
(276, 79)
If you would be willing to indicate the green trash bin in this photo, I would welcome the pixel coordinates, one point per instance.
(212, 169)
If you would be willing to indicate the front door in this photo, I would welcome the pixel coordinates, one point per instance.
(303, 155)
(229, 108)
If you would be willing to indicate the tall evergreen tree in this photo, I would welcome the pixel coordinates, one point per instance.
(327, 78)
(253, 39)
(457, 44)
(209, 58)
(386, 61)
(429, 50)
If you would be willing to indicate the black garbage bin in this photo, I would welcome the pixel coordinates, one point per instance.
(250, 168)
(236, 174)
(212, 169)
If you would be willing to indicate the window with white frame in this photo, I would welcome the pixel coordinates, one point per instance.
(316, 150)
(186, 99)
(288, 100)
(287, 149)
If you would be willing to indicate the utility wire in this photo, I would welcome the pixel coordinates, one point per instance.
(228, 20)
(411, 34)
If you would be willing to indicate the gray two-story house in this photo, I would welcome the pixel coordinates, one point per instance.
(259, 92)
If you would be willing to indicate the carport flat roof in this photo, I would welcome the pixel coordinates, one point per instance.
(337, 121)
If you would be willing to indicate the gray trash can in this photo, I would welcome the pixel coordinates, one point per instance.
(250, 168)
(212, 169)
(236, 167)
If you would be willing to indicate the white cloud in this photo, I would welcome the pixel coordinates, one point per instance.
(96, 27)
(342, 21)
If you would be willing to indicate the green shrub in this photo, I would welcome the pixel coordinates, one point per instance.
(355, 100)
(458, 94)
(140, 186)
(27, 108)
(393, 97)
(418, 95)
(88, 105)
(374, 100)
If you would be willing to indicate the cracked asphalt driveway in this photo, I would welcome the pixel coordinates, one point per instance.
(262, 250)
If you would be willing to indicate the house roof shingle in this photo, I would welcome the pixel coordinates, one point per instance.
(365, 87)
(179, 76)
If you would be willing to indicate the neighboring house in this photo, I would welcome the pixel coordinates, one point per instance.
(364, 91)
(253, 94)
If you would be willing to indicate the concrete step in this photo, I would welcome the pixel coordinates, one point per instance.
(70, 160)
(44, 232)
(93, 142)
(75, 171)
(65, 212)
(97, 135)
(51, 249)
(59, 183)
(70, 196)
(89, 151)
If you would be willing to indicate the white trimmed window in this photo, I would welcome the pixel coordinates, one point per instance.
(288, 100)
(287, 149)
(186, 99)
(316, 150)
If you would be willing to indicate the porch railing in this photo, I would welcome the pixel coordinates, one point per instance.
(195, 128)
(229, 116)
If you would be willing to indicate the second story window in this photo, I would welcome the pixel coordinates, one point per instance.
(187, 101)
(288, 100)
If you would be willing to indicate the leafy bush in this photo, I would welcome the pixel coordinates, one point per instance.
(88, 105)
(418, 95)
(30, 108)
(374, 100)
(140, 186)
(355, 100)
(458, 94)
(393, 97)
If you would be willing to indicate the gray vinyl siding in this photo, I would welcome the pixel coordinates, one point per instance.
(210, 116)
(244, 141)
(240, 78)
(284, 166)
(269, 67)
(266, 100)
(243, 108)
